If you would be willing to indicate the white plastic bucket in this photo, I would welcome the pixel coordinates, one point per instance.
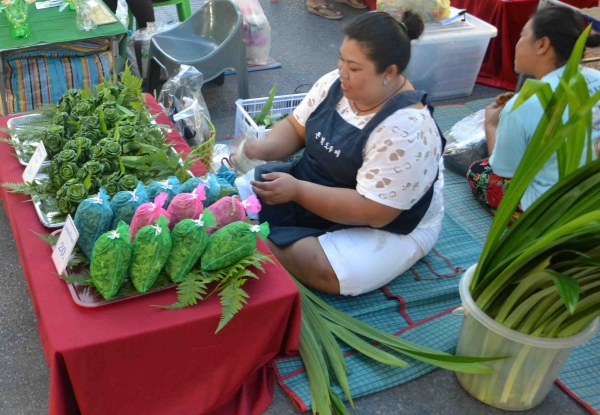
(523, 380)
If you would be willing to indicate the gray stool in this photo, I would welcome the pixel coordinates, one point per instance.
(212, 40)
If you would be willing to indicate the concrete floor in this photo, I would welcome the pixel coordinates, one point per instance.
(307, 46)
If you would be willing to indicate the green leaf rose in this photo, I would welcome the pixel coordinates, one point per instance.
(128, 182)
(66, 156)
(68, 171)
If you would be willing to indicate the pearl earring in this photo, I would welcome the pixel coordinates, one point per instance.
(385, 83)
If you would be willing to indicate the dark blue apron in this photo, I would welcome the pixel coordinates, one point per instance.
(333, 155)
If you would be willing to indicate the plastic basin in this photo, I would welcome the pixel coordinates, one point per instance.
(523, 380)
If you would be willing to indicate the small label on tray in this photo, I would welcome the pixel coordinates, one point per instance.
(65, 245)
(35, 164)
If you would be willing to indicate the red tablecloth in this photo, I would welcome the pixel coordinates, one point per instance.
(509, 17)
(132, 358)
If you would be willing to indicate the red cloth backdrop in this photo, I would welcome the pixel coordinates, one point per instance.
(132, 358)
(509, 17)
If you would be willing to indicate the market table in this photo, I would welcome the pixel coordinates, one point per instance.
(132, 358)
(49, 26)
(509, 17)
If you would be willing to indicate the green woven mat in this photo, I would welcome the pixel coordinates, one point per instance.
(417, 304)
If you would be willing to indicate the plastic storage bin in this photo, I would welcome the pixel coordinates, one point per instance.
(524, 379)
(445, 60)
(248, 108)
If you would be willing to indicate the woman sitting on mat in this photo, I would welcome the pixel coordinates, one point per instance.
(364, 203)
(546, 43)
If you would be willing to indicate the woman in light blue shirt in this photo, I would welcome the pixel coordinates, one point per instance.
(546, 43)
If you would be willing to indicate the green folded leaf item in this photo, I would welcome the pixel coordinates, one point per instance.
(189, 242)
(92, 219)
(110, 261)
(231, 244)
(151, 249)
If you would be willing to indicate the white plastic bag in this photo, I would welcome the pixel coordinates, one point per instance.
(431, 10)
(181, 99)
(257, 32)
(468, 129)
(466, 143)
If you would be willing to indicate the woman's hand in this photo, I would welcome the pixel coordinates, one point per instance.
(280, 188)
(492, 114)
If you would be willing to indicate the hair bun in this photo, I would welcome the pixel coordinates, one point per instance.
(593, 40)
(413, 23)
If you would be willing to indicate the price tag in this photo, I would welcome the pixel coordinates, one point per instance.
(65, 245)
(35, 164)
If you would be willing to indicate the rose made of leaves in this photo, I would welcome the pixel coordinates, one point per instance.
(64, 205)
(127, 131)
(98, 152)
(111, 116)
(60, 118)
(53, 174)
(128, 182)
(68, 171)
(75, 191)
(110, 148)
(91, 122)
(111, 183)
(54, 143)
(94, 167)
(83, 108)
(66, 156)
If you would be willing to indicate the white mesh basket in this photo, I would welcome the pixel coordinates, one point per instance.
(248, 108)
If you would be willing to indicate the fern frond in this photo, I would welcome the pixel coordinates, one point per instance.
(233, 298)
(189, 291)
(79, 279)
(30, 189)
(49, 239)
(45, 109)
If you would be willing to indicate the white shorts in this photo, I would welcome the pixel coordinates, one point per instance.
(365, 259)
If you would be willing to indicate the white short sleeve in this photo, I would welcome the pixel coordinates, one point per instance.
(314, 97)
(401, 159)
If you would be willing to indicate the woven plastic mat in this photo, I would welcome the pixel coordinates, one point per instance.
(417, 305)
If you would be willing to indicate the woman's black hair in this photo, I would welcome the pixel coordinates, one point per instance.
(562, 26)
(386, 40)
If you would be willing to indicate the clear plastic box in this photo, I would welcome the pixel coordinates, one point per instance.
(523, 380)
(445, 60)
(248, 108)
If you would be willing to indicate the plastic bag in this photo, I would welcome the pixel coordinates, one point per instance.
(431, 10)
(186, 206)
(237, 157)
(466, 143)
(181, 99)
(231, 244)
(231, 209)
(189, 240)
(92, 219)
(110, 261)
(170, 187)
(151, 249)
(124, 204)
(147, 214)
(257, 32)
